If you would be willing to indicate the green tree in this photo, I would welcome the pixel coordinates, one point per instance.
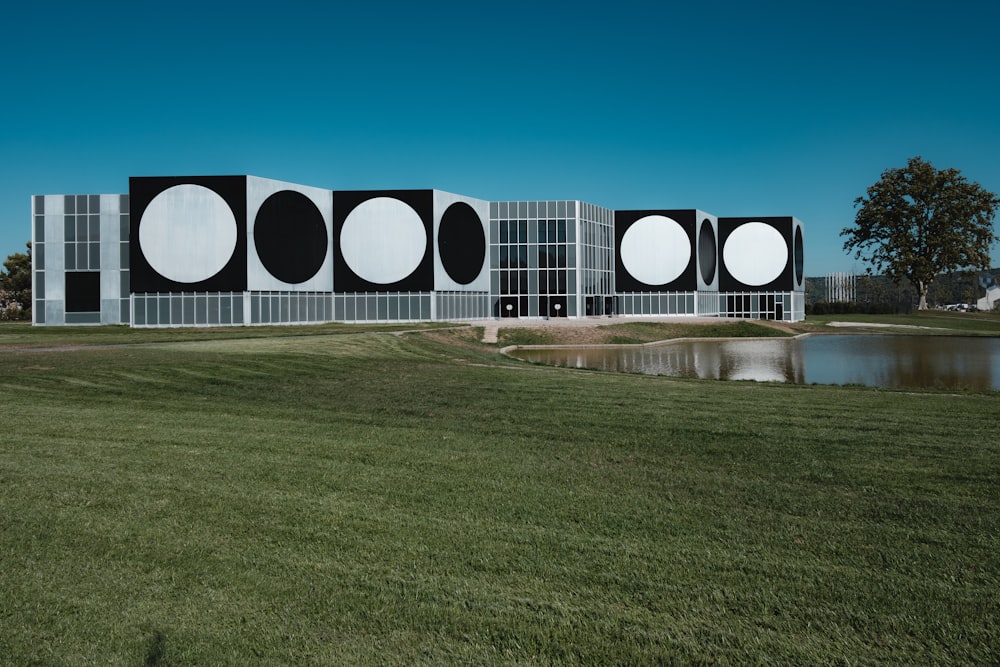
(15, 286)
(918, 222)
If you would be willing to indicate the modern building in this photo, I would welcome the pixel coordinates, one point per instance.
(243, 250)
(990, 301)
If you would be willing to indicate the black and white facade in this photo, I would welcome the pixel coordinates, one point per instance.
(243, 250)
(666, 262)
(761, 267)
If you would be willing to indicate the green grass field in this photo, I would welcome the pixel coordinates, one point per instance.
(365, 498)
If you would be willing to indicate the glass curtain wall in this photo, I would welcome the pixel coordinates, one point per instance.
(550, 259)
(761, 305)
(76, 239)
(597, 262)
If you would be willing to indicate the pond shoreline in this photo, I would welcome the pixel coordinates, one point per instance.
(883, 360)
(593, 332)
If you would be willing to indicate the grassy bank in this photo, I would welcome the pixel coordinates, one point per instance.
(21, 335)
(632, 333)
(364, 499)
(937, 322)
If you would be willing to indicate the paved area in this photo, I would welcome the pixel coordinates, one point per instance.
(491, 328)
(537, 323)
(490, 332)
(873, 325)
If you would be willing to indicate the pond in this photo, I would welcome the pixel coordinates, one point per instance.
(873, 360)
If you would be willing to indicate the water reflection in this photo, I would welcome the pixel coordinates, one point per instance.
(878, 361)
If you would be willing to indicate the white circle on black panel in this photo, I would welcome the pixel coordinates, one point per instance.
(461, 243)
(383, 240)
(290, 236)
(187, 233)
(755, 253)
(655, 250)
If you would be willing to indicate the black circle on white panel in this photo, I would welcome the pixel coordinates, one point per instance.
(707, 251)
(290, 236)
(799, 256)
(461, 243)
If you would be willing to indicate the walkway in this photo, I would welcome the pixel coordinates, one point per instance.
(491, 328)
(490, 332)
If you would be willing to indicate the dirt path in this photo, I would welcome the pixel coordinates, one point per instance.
(588, 330)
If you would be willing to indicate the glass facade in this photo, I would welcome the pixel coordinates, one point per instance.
(238, 308)
(187, 309)
(638, 304)
(597, 266)
(80, 259)
(382, 307)
(788, 306)
(550, 259)
(461, 305)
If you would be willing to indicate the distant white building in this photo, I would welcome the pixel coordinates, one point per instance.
(990, 301)
(841, 288)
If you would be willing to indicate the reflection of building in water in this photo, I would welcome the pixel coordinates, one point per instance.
(243, 250)
(772, 360)
(760, 360)
(881, 361)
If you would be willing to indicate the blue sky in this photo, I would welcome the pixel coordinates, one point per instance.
(736, 108)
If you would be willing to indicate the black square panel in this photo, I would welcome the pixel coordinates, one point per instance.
(759, 254)
(383, 241)
(83, 292)
(655, 251)
(188, 233)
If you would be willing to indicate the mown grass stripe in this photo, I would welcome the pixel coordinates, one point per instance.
(371, 499)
